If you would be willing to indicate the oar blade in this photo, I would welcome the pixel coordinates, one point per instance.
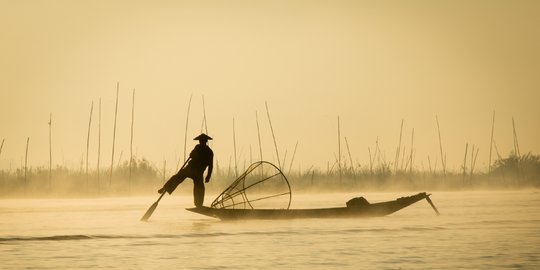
(149, 212)
(432, 205)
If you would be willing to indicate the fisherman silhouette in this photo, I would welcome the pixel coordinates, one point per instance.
(200, 157)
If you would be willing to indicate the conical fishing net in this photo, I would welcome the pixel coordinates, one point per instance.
(261, 186)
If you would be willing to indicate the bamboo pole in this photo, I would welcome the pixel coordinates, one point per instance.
(131, 138)
(396, 160)
(293, 155)
(472, 158)
(273, 136)
(429, 163)
(259, 136)
(497, 150)
(443, 161)
(50, 151)
(284, 160)
(333, 164)
(464, 169)
(412, 150)
(2, 146)
(339, 148)
(235, 157)
(473, 161)
(260, 145)
(229, 168)
(475, 156)
(491, 142)
(187, 122)
(516, 144)
(350, 157)
(516, 147)
(99, 147)
(114, 132)
(26, 164)
(164, 168)
(119, 159)
(204, 118)
(499, 157)
(370, 162)
(403, 168)
(88, 142)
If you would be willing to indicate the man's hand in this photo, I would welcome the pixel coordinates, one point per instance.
(207, 178)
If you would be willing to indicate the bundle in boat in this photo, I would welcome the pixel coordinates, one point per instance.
(261, 186)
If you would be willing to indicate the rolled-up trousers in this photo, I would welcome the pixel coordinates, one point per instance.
(198, 184)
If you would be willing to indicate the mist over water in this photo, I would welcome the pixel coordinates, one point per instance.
(476, 230)
(419, 101)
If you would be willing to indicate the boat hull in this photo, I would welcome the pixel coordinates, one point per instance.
(368, 210)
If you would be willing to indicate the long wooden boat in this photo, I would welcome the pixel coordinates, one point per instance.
(362, 210)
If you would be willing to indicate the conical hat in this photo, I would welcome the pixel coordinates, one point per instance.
(202, 137)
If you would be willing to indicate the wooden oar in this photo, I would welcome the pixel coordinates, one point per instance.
(150, 210)
(432, 205)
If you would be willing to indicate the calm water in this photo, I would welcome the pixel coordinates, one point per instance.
(476, 230)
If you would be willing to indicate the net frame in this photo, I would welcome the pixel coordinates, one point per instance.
(235, 195)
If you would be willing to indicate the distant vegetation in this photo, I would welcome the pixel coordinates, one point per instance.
(525, 169)
(510, 172)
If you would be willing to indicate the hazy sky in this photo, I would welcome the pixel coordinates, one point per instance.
(372, 63)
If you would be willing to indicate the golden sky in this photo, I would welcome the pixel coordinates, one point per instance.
(372, 63)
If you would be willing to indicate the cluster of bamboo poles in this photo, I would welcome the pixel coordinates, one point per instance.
(87, 173)
(403, 160)
(98, 169)
(406, 160)
(113, 141)
(204, 127)
(280, 164)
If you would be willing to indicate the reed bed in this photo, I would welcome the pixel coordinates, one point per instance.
(146, 178)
